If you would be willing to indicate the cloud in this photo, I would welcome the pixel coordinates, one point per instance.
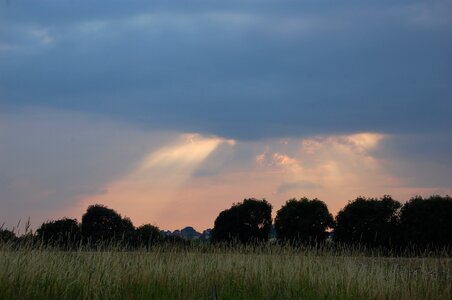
(42, 35)
(6, 46)
(50, 159)
(303, 68)
(148, 190)
(191, 182)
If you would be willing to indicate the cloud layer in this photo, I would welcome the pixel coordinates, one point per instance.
(292, 67)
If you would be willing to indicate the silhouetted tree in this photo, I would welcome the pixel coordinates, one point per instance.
(427, 222)
(62, 233)
(244, 222)
(148, 235)
(100, 223)
(371, 222)
(128, 235)
(7, 236)
(303, 221)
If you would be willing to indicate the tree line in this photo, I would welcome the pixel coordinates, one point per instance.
(419, 223)
(384, 222)
(100, 226)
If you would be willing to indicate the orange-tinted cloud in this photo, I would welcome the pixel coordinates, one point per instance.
(146, 191)
(164, 189)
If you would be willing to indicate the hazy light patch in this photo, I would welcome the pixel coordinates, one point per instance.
(146, 21)
(6, 46)
(51, 159)
(94, 26)
(235, 22)
(153, 183)
(26, 39)
(297, 185)
(42, 35)
(333, 168)
(185, 155)
(338, 162)
(238, 19)
(426, 16)
(366, 140)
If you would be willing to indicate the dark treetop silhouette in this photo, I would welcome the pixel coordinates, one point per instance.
(62, 233)
(245, 222)
(368, 221)
(427, 222)
(100, 223)
(303, 221)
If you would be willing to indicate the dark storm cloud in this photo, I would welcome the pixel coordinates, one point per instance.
(240, 69)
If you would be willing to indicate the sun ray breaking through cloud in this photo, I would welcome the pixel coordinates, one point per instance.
(153, 183)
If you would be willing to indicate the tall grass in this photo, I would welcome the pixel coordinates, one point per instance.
(207, 272)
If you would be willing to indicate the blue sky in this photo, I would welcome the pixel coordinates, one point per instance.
(88, 90)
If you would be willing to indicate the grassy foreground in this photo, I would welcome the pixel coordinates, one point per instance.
(198, 273)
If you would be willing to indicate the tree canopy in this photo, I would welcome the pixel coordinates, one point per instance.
(63, 233)
(101, 223)
(148, 235)
(245, 222)
(303, 221)
(427, 222)
(368, 221)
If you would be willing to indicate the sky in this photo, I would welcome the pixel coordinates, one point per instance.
(171, 111)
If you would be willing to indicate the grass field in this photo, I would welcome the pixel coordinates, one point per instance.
(209, 273)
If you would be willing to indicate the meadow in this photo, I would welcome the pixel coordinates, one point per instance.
(206, 272)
